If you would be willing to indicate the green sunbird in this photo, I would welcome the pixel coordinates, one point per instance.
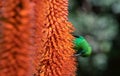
(82, 47)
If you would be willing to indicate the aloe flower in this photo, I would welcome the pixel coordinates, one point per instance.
(54, 54)
(15, 42)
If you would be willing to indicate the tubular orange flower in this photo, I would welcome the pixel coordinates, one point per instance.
(54, 55)
(15, 38)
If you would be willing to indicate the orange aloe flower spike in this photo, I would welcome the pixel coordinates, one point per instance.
(54, 53)
(15, 42)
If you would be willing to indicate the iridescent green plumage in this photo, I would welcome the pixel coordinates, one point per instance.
(82, 46)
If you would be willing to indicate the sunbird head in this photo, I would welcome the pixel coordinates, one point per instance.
(82, 46)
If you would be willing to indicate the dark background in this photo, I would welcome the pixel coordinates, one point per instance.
(99, 22)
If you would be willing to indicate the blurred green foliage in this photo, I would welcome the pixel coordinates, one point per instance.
(98, 21)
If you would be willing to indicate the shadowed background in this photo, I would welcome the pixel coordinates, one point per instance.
(99, 22)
